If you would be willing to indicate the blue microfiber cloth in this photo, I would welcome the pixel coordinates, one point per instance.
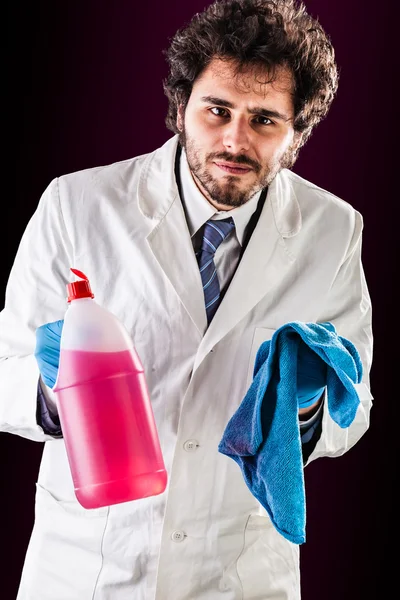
(263, 435)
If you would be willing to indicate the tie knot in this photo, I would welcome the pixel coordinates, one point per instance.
(215, 232)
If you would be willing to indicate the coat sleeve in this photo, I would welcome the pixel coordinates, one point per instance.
(35, 294)
(348, 307)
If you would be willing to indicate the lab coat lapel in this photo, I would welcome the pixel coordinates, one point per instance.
(172, 246)
(169, 238)
(264, 264)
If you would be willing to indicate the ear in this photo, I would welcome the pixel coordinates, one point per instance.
(179, 118)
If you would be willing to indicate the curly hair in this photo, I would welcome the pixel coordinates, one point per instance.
(254, 33)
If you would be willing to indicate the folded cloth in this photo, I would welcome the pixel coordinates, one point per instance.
(263, 435)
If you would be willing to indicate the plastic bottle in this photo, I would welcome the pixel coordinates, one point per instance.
(105, 412)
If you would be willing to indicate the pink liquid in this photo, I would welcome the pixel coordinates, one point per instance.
(108, 426)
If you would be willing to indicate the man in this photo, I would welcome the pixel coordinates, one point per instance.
(249, 80)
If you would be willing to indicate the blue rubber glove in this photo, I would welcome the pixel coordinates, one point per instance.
(311, 376)
(47, 350)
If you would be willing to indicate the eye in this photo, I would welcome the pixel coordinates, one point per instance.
(219, 112)
(261, 120)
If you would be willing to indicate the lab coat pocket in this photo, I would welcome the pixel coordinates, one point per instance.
(261, 334)
(268, 563)
(65, 550)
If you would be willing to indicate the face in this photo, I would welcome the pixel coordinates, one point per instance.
(237, 131)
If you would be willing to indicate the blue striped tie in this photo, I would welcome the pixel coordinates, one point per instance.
(214, 233)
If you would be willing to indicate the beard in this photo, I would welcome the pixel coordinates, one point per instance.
(228, 192)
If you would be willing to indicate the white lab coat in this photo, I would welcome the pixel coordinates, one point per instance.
(206, 537)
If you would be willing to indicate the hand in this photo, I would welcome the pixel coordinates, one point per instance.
(311, 376)
(47, 350)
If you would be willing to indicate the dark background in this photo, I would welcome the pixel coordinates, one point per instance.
(84, 88)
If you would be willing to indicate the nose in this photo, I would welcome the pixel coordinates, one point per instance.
(236, 136)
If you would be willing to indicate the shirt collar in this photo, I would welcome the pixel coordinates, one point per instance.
(198, 210)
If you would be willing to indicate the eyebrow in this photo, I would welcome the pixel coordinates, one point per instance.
(256, 110)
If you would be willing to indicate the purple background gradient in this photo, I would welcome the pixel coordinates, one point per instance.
(84, 88)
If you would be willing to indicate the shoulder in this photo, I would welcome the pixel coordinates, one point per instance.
(307, 192)
(104, 187)
(118, 181)
(324, 213)
(117, 175)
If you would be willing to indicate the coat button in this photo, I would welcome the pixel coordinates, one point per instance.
(178, 535)
(191, 445)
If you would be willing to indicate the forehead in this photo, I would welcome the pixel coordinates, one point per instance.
(249, 84)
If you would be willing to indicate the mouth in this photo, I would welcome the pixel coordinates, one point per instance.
(232, 169)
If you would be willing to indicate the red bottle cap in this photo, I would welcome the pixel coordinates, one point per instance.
(79, 289)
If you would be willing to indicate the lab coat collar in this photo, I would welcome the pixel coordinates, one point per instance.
(157, 190)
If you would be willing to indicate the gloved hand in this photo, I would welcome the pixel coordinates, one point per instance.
(47, 350)
(311, 376)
